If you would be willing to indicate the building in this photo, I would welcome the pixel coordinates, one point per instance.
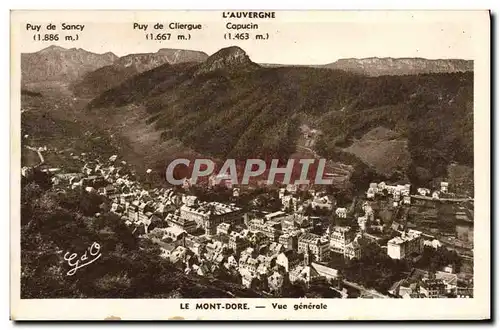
(327, 272)
(117, 208)
(352, 250)
(435, 195)
(341, 212)
(194, 245)
(340, 237)
(382, 188)
(315, 245)
(223, 180)
(362, 223)
(274, 215)
(323, 203)
(289, 203)
(444, 187)
(291, 188)
(209, 215)
(422, 284)
(296, 221)
(275, 281)
(275, 249)
(223, 229)
(395, 190)
(449, 280)
(433, 288)
(432, 243)
(237, 243)
(270, 229)
(282, 193)
(303, 274)
(145, 210)
(231, 263)
(247, 278)
(178, 255)
(259, 241)
(290, 241)
(423, 191)
(175, 220)
(215, 248)
(174, 233)
(372, 191)
(408, 243)
(289, 260)
(249, 264)
(166, 248)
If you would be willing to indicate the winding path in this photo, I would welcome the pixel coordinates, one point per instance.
(39, 152)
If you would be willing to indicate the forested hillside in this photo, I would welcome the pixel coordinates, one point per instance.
(231, 107)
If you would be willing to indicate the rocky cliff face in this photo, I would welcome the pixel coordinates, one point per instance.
(148, 61)
(375, 66)
(60, 64)
(181, 56)
(230, 59)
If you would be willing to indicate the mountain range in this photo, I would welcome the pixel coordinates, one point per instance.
(60, 64)
(376, 66)
(102, 79)
(225, 105)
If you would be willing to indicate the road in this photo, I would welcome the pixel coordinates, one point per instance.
(443, 199)
(39, 152)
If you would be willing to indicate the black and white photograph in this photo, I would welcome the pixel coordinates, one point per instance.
(208, 158)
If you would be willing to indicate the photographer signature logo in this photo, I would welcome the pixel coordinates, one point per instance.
(94, 252)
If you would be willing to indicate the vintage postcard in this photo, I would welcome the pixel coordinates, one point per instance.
(250, 165)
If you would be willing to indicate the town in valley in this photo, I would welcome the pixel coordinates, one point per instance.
(284, 240)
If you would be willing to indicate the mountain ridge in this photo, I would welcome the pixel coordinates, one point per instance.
(377, 66)
(56, 63)
(125, 67)
(229, 106)
(70, 64)
(229, 58)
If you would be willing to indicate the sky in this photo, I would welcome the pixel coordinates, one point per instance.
(295, 37)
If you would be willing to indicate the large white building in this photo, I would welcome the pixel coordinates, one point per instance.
(314, 244)
(396, 190)
(343, 240)
(340, 237)
(409, 242)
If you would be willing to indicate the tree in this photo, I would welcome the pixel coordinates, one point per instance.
(128, 267)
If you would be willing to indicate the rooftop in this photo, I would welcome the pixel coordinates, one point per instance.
(408, 236)
(175, 230)
(212, 208)
(313, 239)
(274, 215)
